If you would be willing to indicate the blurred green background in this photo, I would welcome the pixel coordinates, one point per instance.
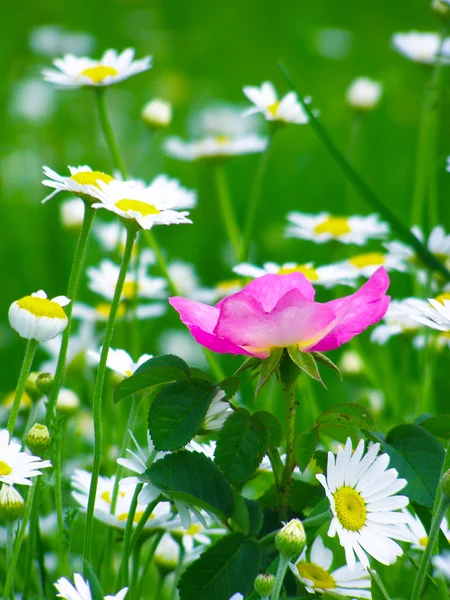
(204, 52)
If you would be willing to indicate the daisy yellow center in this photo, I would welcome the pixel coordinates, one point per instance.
(41, 307)
(222, 139)
(229, 284)
(423, 541)
(129, 373)
(91, 177)
(138, 206)
(367, 260)
(320, 578)
(106, 496)
(193, 529)
(337, 226)
(442, 297)
(308, 272)
(129, 289)
(350, 508)
(97, 74)
(137, 516)
(103, 309)
(5, 469)
(273, 108)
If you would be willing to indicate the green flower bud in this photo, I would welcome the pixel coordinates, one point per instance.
(68, 402)
(38, 439)
(31, 387)
(441, 8)
(12, 504)
(157, 114)
(264, 584)
(44, 383)
(291, 539)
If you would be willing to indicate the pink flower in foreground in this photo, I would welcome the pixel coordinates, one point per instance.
(279, 311)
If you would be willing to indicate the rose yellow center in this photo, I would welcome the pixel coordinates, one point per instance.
(138, 206)
(370, 259)
(320, 578)
(103, 309)
(350, 508)
(98, 74)
(42, 307)
(5, 469)
(308, 272)
(337, 226)
(273, 108)
(193, 529)
(91, 177)
(441, 297)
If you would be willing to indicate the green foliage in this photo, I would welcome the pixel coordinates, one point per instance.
(247, 514)
(230, 386)
(305, 362)
(268, 367)
(228, 567)
(439, 426)
(347, 416)
(305, 445)
(273, 426)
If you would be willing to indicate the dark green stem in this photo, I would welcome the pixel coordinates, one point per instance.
(34, 517)
(126, 551)
(107, 130)
(30, 351)
(226, 207)
(143, 520)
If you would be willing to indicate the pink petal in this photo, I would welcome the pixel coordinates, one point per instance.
(357, 312)
(294, 320)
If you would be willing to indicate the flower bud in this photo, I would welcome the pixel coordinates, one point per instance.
(12, 504)
(291, 539)
(44, 382)
(351, 363)
(68, 402)
(157, 114)
(264, 584)
(364, 94)
(445, 483)
(441, 8)
(32, 388)
(38, 439)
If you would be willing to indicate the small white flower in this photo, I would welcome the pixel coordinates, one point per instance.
(324, 227)
(442, 564)
(68, 402)
(153, 205)
(419, 532)
(436, 314)
(364, 505)
(112, 67)
(187, 282)
(72, 212)
(421, 46)
(82, 181)
(36, 317)
(399, 319)
(167, 553)
(119, 361)
(81, 589)
(265, 100)
(214, 147)
(316, 575)
(365, 265)
(17, 467)
(79, 343)
(364, 93)
(100, 312)
(218, 412)
(157, 114)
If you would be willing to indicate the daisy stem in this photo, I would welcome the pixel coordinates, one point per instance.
(143, 520)
(429, 259)
(30, 351)
(279, 578)
(107, 130)
(123, 574)
(178, 570)
(379, 583)
(31, 543)
(148, 560)
(226, 207)
(98, 390)
(436, 520)
(255, 195)
(72, 289)
(12, 564)
(9, 546)
(62, 541)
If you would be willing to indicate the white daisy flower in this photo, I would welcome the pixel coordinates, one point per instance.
(157, 114)
(195, 534)
(167, 554)
(365, 265)
(81, 182)
(398, 319)
(218, 412)
(442, 564)
(72, 213)
(187, 282)
(327, 276)
(436, 314)
(36, 317)
(119, 361)
(17, 467)
(265, 100)
(208, 449)
(363, 94)
(324, 227)
(147, 206)
(100, 312)
(438, 243)
(421, 46)
(111, 236)
(214, 147)
(419, 532)
(81, 589)
(316, 575)
(79, 343)
(112, 67)
(364, 505)
(222, 119)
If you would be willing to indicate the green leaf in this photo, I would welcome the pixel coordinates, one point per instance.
(256, 517)
(196, 372)
(305, 361)
(305, 445)
(250, 364)
(439, 426)
(177, 412)
(347, 416)
(301, 495)
(268, 367)
(241, 446)
(247, 514)
(273, 426)
(94, 583)
(155, 371)
(227, 567)
(377, 588)
(230, 386)
(324, 360)
(194, 478)
(418, 456)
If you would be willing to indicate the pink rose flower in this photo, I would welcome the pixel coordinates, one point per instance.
(279, 311)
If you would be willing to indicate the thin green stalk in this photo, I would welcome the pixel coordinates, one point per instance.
(136, 562)
(178, 570)
(123, 573)
(107, 130)
(442, 587)
(279, 578)
(9, 585)
(143, 520)
(436, 521)
(57, 467)
(9, 548)
(354, 152)
(98, 390)
(380, 584)
(431, 261)
(255, 195)
(148, 560)
(31, 543)
(291, 412)
(72, 290)
(30, 351)
(228, 216)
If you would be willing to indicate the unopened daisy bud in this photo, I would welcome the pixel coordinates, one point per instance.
(445, 483)
(351, 363)
(72, 213)
(36, 317)
(12, 504)
(157, 114)
(441, 7)
(364, 94)
(291, 539)
(44, 383)
(68, 402)
(32, 388)
(264, 584)
(38, 439)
